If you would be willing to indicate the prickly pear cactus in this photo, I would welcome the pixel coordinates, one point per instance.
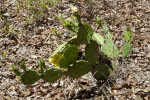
(126, 50)
(82, 34)
(22, 65)
(59, 49)
(30, 77)
(89, 30)
(63, 63)
(73, 41)
(71, 54)
(16, 70)
(53, 74)
(128, 34)
(91, 52)
(110, 49)
(98, 38)
(105, 28)
(109, 36)
(79, 68)
(101, 72)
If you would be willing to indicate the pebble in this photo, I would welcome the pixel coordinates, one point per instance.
(6, 14)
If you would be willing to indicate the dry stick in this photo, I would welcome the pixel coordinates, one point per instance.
(107, 88)
(10, 95)
(107, 96)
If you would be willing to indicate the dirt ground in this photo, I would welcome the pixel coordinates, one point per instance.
(30, 39)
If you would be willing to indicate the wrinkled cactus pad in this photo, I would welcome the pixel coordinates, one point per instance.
(53, 74)
(110, 49)
(71, 54)
(79, 68)
(30, 77)
(63, 63)
(91, 52)
(109, 35)
(98, 38)
(101, 72)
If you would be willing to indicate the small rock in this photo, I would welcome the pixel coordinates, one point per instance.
(6, 14)
(66, 34)
(55, 84)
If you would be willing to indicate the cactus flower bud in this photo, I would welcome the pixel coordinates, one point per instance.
(74, 9)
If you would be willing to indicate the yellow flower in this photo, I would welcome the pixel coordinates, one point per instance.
(55, 59)
(74, 9)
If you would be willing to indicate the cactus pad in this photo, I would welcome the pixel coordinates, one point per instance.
(16, 70)
(128, 34)
(22, 65)
(89, 30)
(91, 52)
(110, 49)
(53, 74)
(59, 49)
(73, 41)
(102, 72)
(98, 38)
(79, 68)
(63, 63)
(109, 35)
(71, 54)
(126, 50)
(30, 77)
(105, 28)
(82, 34)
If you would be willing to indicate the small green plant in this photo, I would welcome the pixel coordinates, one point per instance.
(11, 29)
(127, 47)
(4, 54)
(70, 62)
(43, 4)
(50, 2)
(1, 59)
